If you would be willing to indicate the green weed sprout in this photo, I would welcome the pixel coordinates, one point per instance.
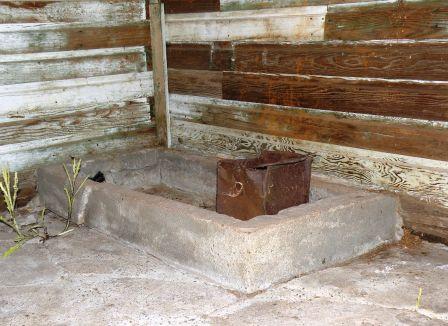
(72, 188)
(9, 188)
(23, 233)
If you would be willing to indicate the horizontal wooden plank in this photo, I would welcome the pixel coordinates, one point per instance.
(399, 136)
(398, 98)
(108, 118)
(195, 82)
(184, 6)
(59, 11)
(419, 178)
(34, 67)
(398, 19)
(422, 60)
(216, 56)
(195, 56)
(60, 149)
(32, 99)
(289, 24)
(230, 5)
(31, 38)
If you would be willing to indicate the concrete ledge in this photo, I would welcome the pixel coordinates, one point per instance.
(244, 255)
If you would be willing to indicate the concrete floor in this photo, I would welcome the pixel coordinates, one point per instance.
(87, 278)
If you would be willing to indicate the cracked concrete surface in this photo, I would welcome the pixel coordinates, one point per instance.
(88, 278)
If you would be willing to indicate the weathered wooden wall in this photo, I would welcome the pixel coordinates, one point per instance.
(74, 80)
(363, 85)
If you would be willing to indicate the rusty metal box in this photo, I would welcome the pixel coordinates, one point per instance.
(263, 185)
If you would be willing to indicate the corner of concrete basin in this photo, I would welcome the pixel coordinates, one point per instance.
(51, 181)
(311, 237)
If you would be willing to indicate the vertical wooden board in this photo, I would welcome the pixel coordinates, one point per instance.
(34, 67)
(60, 11)
(195, 82)
(160, 73)
(419, 178)
(394, 135)
(303, 23)
(421, 60)
(190, 6)
(398, 19)
(31, 38)
(421, 100)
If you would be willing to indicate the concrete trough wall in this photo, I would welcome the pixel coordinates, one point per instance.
(339, 224)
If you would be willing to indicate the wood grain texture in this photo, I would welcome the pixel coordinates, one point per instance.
(195, 82)
(421, 100)
(397, 19)
(32, 38)
(288, 24)
(29, 156)
(230, 5)
(107, 118)
(195, 56)
(422, 60)
(61, 11)
(35, 67)
(419, 178)
(222, 56)
(160, 73)
(185, 6)
(32, 99)
(400, 136)
(424, 216)
(216, 56)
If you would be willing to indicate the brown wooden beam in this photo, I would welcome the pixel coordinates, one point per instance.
(421, 100)
(423, 60)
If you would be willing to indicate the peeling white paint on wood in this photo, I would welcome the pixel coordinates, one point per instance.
(71, 11)
(32, 67)
(109, 118)
(191, 107)
(288, 24)
(27, 57)
(19, 99)
(420, 178)
(62, 148)
(41, 37)
(47, 112)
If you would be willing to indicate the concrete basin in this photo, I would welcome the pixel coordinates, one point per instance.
(163, 201)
